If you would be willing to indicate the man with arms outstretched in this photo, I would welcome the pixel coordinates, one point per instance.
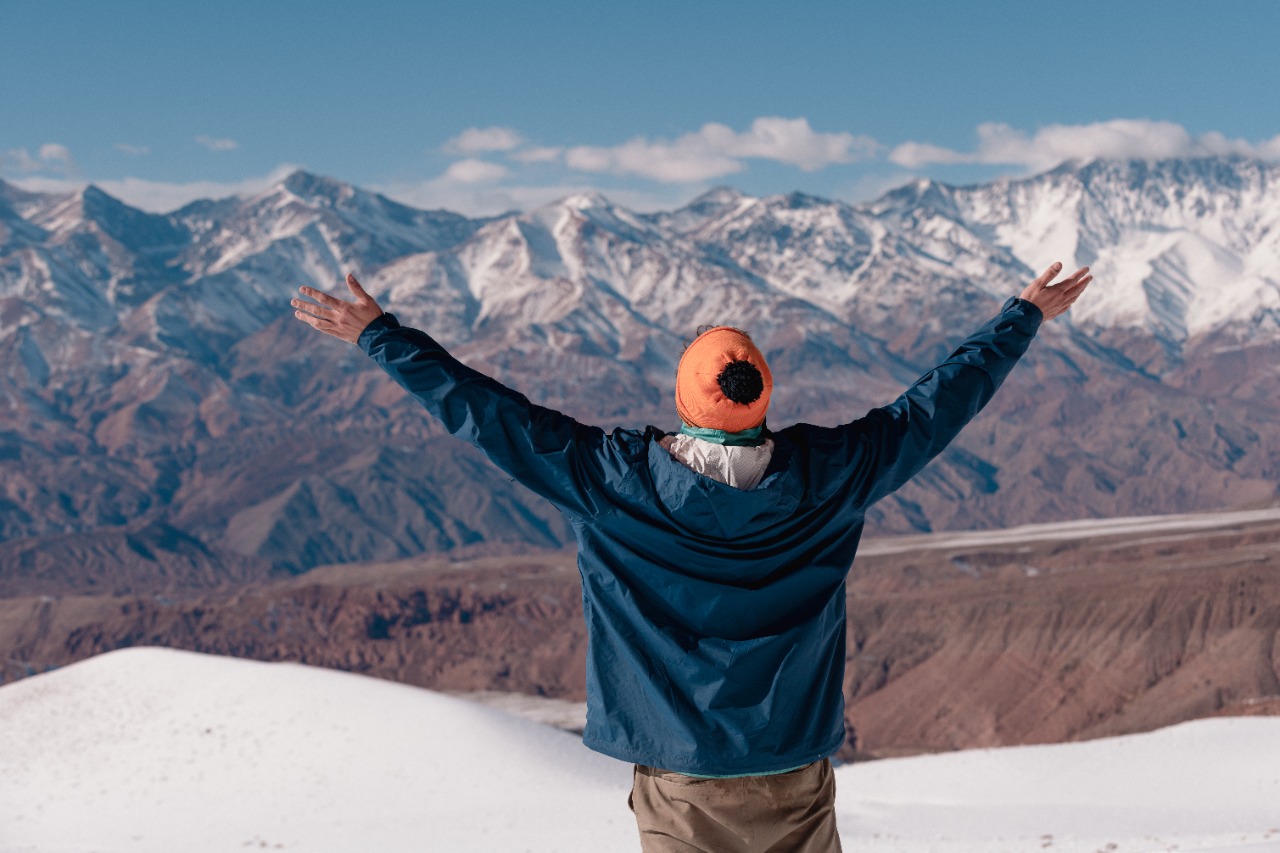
(713, 560)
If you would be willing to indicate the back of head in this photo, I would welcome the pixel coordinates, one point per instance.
(723, 382)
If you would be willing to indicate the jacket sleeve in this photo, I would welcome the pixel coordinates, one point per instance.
(893, 443)
(550, 453)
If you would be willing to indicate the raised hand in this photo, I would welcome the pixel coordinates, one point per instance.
(1053, 299)
(337, 317)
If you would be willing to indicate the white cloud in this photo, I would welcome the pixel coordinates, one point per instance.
(793, 142)
(537, 155)
(717, 150)
(133, 150)
(481, 200)
(158, 196)
(56, 155)
(475, 140)
(685, 160)
(873, 185)
(50, 158)
(913, 155)
(214, 144)
(465, 187)
(19, 160)
(472, 171)
(468, 187)
(1119, 138)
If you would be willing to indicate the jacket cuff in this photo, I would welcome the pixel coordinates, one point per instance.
(1027, 316)
(384, 323)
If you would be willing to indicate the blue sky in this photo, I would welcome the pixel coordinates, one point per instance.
(484, 106)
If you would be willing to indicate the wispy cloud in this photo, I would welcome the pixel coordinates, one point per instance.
(160, 196)
(474, 193)
(132, 150)
(467, 187)
(51, 158)
(1001, 144)
(476, 140)
(873, 185)
(215, 144)
(537, 155)
(716, 150)
(472, 171)
(57, 156)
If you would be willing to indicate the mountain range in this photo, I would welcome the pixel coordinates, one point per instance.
(166, 424)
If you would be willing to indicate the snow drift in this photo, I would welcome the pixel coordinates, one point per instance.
(156, 750)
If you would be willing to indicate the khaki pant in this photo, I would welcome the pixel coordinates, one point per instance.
(786, 813)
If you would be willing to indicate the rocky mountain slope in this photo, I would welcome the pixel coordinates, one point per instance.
(166, 425)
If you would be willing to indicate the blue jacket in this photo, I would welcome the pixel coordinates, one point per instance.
(715, 616)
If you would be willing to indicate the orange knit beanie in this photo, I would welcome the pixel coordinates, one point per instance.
(723, 382)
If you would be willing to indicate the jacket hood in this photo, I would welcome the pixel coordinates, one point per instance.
(704, 507)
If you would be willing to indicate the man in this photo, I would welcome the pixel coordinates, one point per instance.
(713, 561)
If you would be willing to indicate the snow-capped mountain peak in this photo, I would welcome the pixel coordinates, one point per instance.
(585, 200)
(1184, 247)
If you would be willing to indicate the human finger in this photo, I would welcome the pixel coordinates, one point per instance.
(311, 320)
(356, 289)
(321, 297)
(1070, 296)
(310, 307)
(1047, 275)
(1071, 279)
(320, 324)
(1071, 286)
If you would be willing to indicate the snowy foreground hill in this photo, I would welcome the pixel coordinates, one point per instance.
(157, 750)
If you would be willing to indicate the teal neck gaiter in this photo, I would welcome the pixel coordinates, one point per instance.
(747, 438)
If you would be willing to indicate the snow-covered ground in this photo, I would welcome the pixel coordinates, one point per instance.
(160, 750)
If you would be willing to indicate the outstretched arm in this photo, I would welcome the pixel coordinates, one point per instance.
(546, 451)
(896, 441)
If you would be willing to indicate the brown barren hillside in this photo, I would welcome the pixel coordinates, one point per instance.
(1028, 635)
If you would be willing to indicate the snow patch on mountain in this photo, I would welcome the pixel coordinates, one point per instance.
(1179, 248)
